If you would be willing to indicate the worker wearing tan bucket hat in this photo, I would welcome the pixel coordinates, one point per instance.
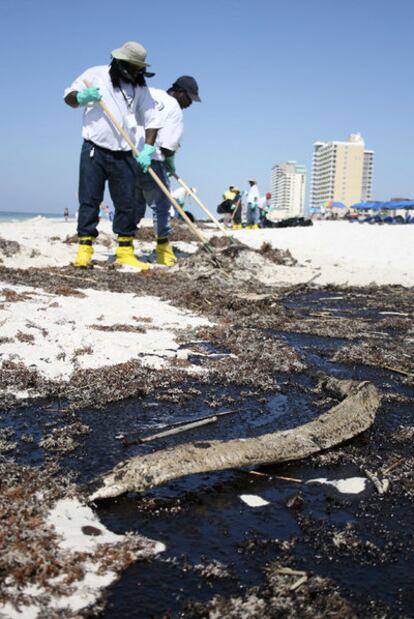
(106, 157)
(252, 200)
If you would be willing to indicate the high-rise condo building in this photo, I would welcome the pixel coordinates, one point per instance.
(288, 190)
(367, 172)
(341, 172)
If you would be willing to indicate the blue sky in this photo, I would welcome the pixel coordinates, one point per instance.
(274, 76)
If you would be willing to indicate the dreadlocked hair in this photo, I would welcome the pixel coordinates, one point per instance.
(116, 75)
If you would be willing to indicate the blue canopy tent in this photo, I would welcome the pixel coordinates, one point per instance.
(376, 206)
(406, 204)
(392, 204)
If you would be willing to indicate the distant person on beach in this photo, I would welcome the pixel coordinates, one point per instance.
(170, 105)
(237, 210)
(66, 214)
(181, 196)
(264, 206)
(230, 207)
(226, 205)
(104, 212)
(253, 197)
(105, 156)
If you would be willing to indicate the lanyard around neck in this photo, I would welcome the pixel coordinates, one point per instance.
(127, 103)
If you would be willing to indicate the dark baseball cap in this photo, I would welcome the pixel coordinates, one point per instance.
(188, 83)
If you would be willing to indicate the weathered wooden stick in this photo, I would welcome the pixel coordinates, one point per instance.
(178, 429)
(301, 581)
(393, 466)
(398, 371)
(350, 417)
(299, 287)
(294, 479)
(222, 414)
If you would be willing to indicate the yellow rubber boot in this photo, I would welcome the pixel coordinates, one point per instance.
(125, 254)
(165, 254)
(83, 258)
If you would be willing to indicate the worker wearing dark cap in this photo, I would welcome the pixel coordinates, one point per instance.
(169, 104)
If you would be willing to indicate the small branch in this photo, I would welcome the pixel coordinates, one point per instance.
(301, 581)
(381, 486)
(393, 466)
(398, 371)
(301, 286)
(260, 474)
(166, 431)
(179, 429)
(288, 571)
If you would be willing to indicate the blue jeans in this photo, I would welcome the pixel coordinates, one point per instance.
(118, 168)
(251, 214)
(148, 193)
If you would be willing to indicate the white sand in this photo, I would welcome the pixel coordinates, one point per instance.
(61, 327)
(352, 485)
(344, 253)
(253, 500)
(63, 337)
(68, 518)
(340, 252)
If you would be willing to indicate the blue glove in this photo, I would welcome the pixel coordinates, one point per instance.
(145, 156)
(170, 163)
(89, 95)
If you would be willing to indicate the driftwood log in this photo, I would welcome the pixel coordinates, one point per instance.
(342, 422)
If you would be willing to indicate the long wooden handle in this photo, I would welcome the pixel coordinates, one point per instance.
(155, 177)
(238, 205)
(200, 204)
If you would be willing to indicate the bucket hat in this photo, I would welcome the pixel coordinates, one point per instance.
(132, 52)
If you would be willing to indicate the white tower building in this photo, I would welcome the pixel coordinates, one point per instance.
(341, 172)
(288, 190)
(367, 173)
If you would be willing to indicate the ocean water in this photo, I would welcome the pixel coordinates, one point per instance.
(17, 216)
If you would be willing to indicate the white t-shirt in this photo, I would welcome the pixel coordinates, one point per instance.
(252, 194)
(264, 203)
(172, 125)
(131, 106)
(179, 194)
